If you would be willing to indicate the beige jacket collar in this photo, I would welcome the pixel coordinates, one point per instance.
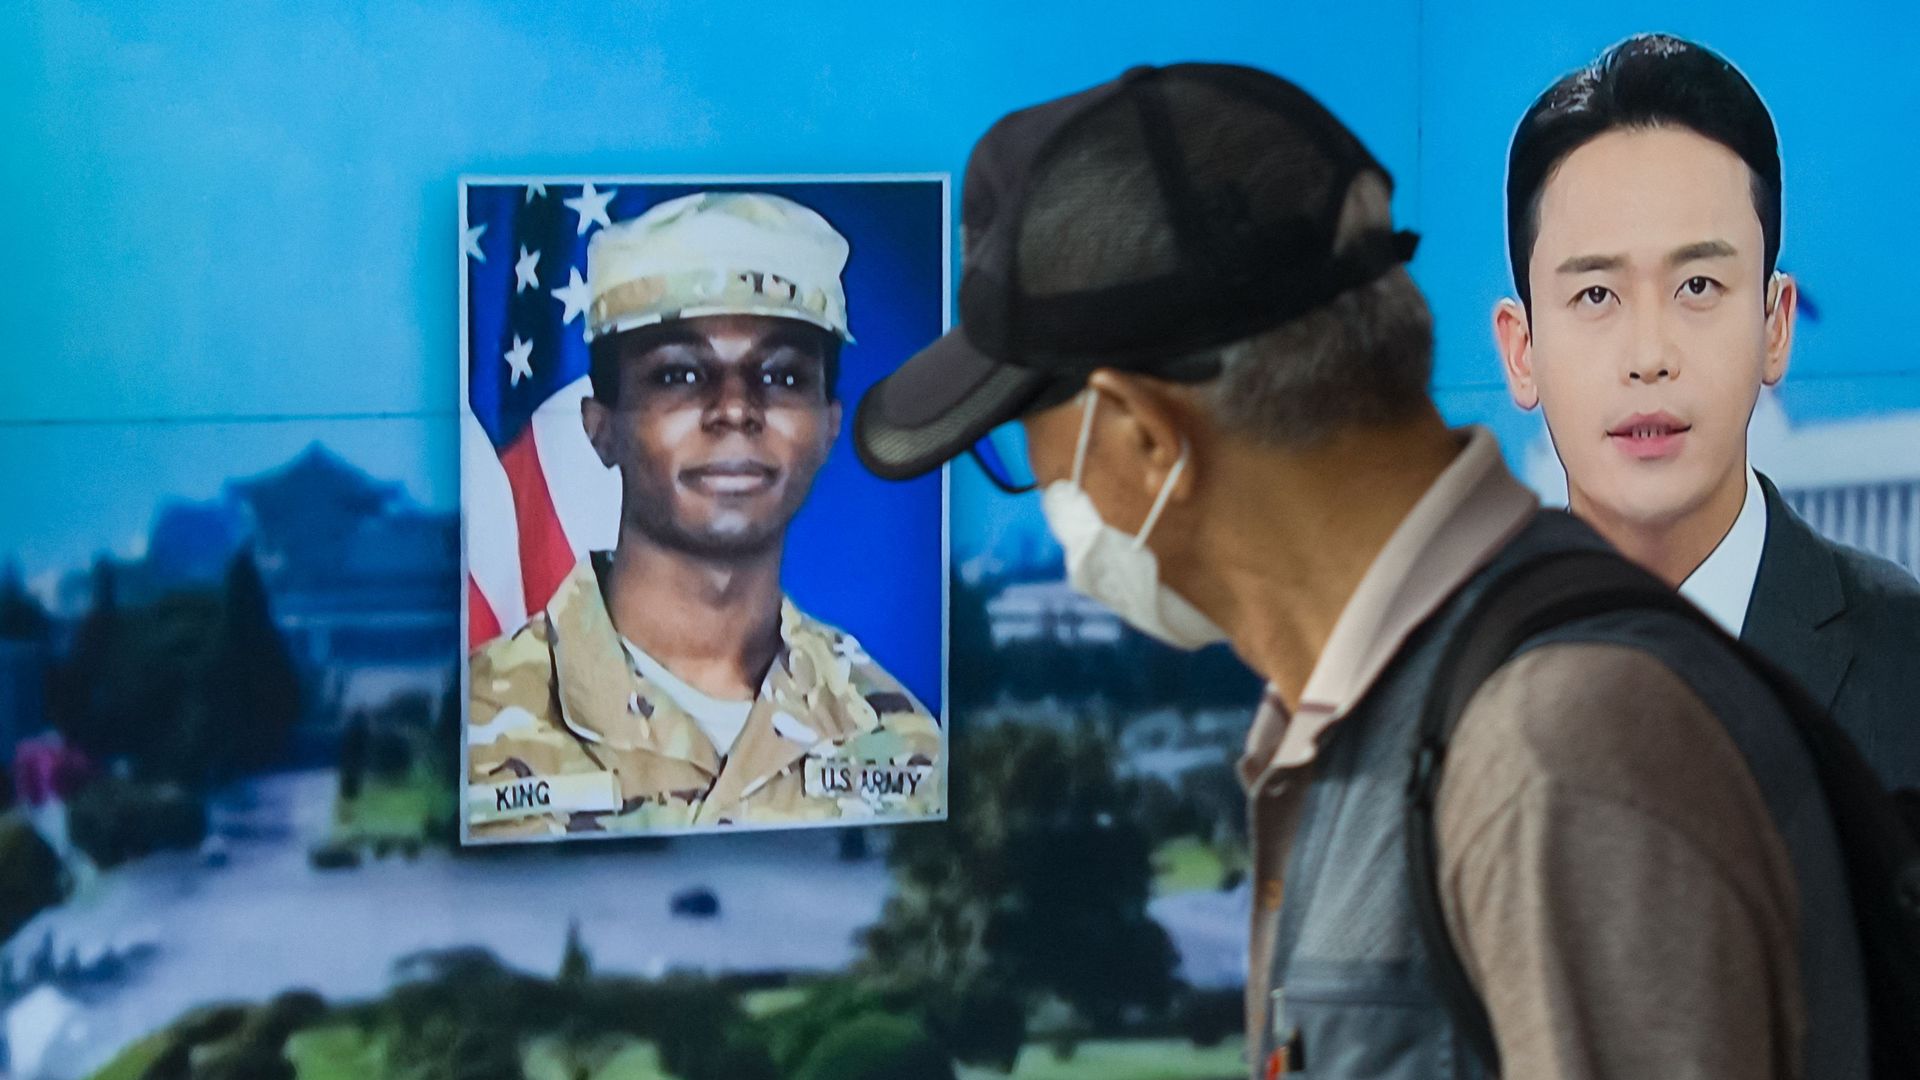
(1473, 508)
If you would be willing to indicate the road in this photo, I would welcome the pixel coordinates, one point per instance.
(266, 921)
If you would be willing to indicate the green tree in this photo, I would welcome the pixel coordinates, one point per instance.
(828, 1005)
(1218, 802)
(191, 689)
(390, 754)
(877, 1047)
(21, 616)
(257, 1050)
(441, 761)
(443, 746)
(1037, 885)
(258, 702)
(353, 755)
(134, 683)
(30, 874)
(576, 967)
(447, 1000)
(975, 673)
(460, 1014)
(168, 665)
(85, 702)
(114, 820)
(742, 1056)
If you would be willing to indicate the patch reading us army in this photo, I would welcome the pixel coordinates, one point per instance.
(531, 796)
(874, 781)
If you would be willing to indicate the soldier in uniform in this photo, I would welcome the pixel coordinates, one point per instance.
(670, 684)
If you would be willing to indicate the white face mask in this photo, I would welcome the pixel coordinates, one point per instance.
(1118, 570)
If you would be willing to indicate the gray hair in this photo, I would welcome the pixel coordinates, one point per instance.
(1363, 359)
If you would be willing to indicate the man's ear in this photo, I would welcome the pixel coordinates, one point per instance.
(1138, 416)
(835, 414)
(1783, 302)
(597, 419)
(1513, 336)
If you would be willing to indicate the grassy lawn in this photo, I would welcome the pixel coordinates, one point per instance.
(343, 1052)
(640, 1061)
(133, 1061)
(389, 810)
(1144, 1059)
(1190, 864)
(615, 1059)
(324, 1053)
(761, 1004)
(335, 1053)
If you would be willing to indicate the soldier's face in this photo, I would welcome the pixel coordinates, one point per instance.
(720, 426)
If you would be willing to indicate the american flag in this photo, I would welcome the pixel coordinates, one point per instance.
(536, 497)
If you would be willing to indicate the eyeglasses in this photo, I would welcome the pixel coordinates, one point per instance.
(1002, 455)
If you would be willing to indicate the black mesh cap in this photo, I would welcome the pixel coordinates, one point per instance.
(1133, 226)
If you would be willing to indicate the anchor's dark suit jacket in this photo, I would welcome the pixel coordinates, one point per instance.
(1847, 624)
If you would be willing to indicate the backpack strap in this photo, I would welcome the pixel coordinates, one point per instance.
(1536, 596)
(1881, 851)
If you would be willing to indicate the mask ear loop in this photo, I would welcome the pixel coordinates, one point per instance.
(1166, 492)
(1086, 436)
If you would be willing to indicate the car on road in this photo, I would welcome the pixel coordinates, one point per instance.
(695, 903)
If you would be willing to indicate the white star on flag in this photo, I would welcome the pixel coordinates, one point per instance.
(535, 189)
(574, 295)
(525, 274)
(520, 359)
(591, 205)
(470, 242)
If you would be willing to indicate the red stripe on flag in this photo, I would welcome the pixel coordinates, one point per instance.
(545, 556)
(482, 624)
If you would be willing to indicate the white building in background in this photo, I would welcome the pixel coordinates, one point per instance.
(1049, 611)
(1855, 481)
(37, 1028)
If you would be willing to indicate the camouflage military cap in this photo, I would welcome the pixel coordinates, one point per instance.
(717, 253)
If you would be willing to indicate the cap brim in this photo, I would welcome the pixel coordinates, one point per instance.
(938, 404)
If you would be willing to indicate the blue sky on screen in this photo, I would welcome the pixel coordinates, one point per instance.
(230, 232)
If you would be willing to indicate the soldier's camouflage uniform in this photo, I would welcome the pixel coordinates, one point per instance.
(565, 736)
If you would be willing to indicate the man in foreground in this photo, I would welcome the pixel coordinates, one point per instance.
(1186, 285)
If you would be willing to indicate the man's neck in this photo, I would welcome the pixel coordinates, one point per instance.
(1303, 528)
(714, 623)
(1674, 549)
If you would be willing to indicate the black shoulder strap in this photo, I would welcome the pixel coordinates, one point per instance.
(1881, 852)
(1522, 603)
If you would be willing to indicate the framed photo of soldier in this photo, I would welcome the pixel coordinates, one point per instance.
(687, 606)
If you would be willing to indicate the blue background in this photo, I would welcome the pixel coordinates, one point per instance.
(227, 225)
(228, 232)
(1835, 79)
(239, 218)
(863, 554)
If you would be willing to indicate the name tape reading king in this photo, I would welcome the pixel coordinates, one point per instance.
(528, 796)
